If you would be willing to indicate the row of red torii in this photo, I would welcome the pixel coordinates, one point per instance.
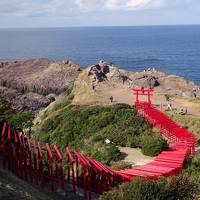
(44, 164)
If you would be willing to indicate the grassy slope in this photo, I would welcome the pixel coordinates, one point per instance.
(87, 127)
(13, 188)
(190, 122)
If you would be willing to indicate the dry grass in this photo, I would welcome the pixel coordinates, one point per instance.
(83, 93)
(190, 122)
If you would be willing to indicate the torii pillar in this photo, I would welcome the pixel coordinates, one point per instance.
(142, 92)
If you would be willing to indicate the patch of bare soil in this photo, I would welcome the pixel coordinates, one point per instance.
(134, 156)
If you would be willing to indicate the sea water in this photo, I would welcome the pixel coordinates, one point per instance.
(171, 49)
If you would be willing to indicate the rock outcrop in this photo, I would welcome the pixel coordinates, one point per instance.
(104, 71)
(33, 84)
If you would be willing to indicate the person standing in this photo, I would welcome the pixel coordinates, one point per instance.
(111, 99)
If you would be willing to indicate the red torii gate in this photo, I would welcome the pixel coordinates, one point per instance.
(142, 92)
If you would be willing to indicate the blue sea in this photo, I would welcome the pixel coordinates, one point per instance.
(171, 49)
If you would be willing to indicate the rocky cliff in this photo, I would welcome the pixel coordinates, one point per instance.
(33, 84)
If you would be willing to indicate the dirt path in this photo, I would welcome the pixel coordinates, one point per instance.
(135, 156)
(123, 94)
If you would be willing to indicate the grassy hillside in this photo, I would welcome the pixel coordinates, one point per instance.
(87, 127)
(190, 122)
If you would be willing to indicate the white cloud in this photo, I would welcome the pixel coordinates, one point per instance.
(143, 4)
(111, 5)
(30, 7)
(133, 4)
(126, 5)
(81, 5)
(71, 7)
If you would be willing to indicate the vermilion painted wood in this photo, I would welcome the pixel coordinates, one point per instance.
(30, 163)
(59, 167)
(3, 150)
(70, 167)
(50, 166)
(35, 167)
(40, 164)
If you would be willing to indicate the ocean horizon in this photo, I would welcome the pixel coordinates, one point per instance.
(173, 49)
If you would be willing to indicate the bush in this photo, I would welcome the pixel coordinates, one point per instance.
(5, 110)
(21, 120)
(196, 163)
(181, 187)
(121, 165)
(153, 145)
(86, 127)
(106, 154)
(17, 120)
(198, 142)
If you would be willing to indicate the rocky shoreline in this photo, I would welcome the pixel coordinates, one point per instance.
(33, 84)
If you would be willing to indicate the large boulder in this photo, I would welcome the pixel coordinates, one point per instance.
(152, 82)
(147, 81)
(105, 71)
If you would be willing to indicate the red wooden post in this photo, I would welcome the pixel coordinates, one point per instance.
(77, 175)
(99, 183)
(59, 158)
(3, 151)
(21, 156)
(84, 183)
(85, 165)
(73, 178)
(35, 162)
(149, 97)
(30, 163)
(25, 158)
(89, 185)
(50, 167)
(142, 92)
(16, 155)
(40, 164)
(9, 149)
(68, 168)
(70, 162)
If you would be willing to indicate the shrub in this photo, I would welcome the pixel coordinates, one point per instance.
(153, 145)
(121, 165)
(181, 187)
(5, 110)
(89, 126)
(21, 120)
(196, 163)
(17, 120)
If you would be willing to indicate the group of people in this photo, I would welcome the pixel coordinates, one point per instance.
(182, 111)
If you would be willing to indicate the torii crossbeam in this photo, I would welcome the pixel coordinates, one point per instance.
(142, 92)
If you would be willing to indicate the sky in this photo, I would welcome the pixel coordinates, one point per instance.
(64, 13)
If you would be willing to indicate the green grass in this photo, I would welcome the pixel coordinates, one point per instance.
(121, 165)
(86, 128)
(190, 122)
(16, 120)
(182, 187)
